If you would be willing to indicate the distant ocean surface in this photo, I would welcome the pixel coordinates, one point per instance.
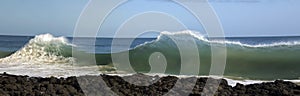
(248, 58)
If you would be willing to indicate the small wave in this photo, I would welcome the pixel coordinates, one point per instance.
(42, 49)
(276, 44)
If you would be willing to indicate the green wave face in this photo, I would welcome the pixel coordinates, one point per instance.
(43, 49)
(269, 61)
(4, 54)
(266, 62)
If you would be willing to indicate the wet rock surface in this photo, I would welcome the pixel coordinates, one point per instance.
(108, 85)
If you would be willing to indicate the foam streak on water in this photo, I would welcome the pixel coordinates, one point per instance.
(188, 34)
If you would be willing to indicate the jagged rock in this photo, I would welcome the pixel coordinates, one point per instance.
(107, 85)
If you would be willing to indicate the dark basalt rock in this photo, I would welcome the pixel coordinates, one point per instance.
(106, 85)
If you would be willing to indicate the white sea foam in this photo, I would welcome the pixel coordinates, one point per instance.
(43, 49)
(192, 35)
(44, 56)
(231, 82)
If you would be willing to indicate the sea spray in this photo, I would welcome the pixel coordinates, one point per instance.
(43, 49)
(256, 61)
(261, 60)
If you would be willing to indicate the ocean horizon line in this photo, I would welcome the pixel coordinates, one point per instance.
(106, 37)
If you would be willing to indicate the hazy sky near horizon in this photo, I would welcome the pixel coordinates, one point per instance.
(238, 17)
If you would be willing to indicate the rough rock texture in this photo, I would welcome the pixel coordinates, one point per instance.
(106, 85)
(12, 85)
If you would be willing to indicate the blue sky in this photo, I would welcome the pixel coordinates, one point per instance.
(59, 17)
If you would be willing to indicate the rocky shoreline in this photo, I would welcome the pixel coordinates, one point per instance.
(140, 84)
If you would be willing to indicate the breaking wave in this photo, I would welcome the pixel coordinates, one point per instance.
(256, 61)
(42, 49)
(277, 60)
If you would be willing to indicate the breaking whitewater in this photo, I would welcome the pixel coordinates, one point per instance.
(45, 56)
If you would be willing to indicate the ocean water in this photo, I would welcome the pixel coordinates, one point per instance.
(248, 58)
